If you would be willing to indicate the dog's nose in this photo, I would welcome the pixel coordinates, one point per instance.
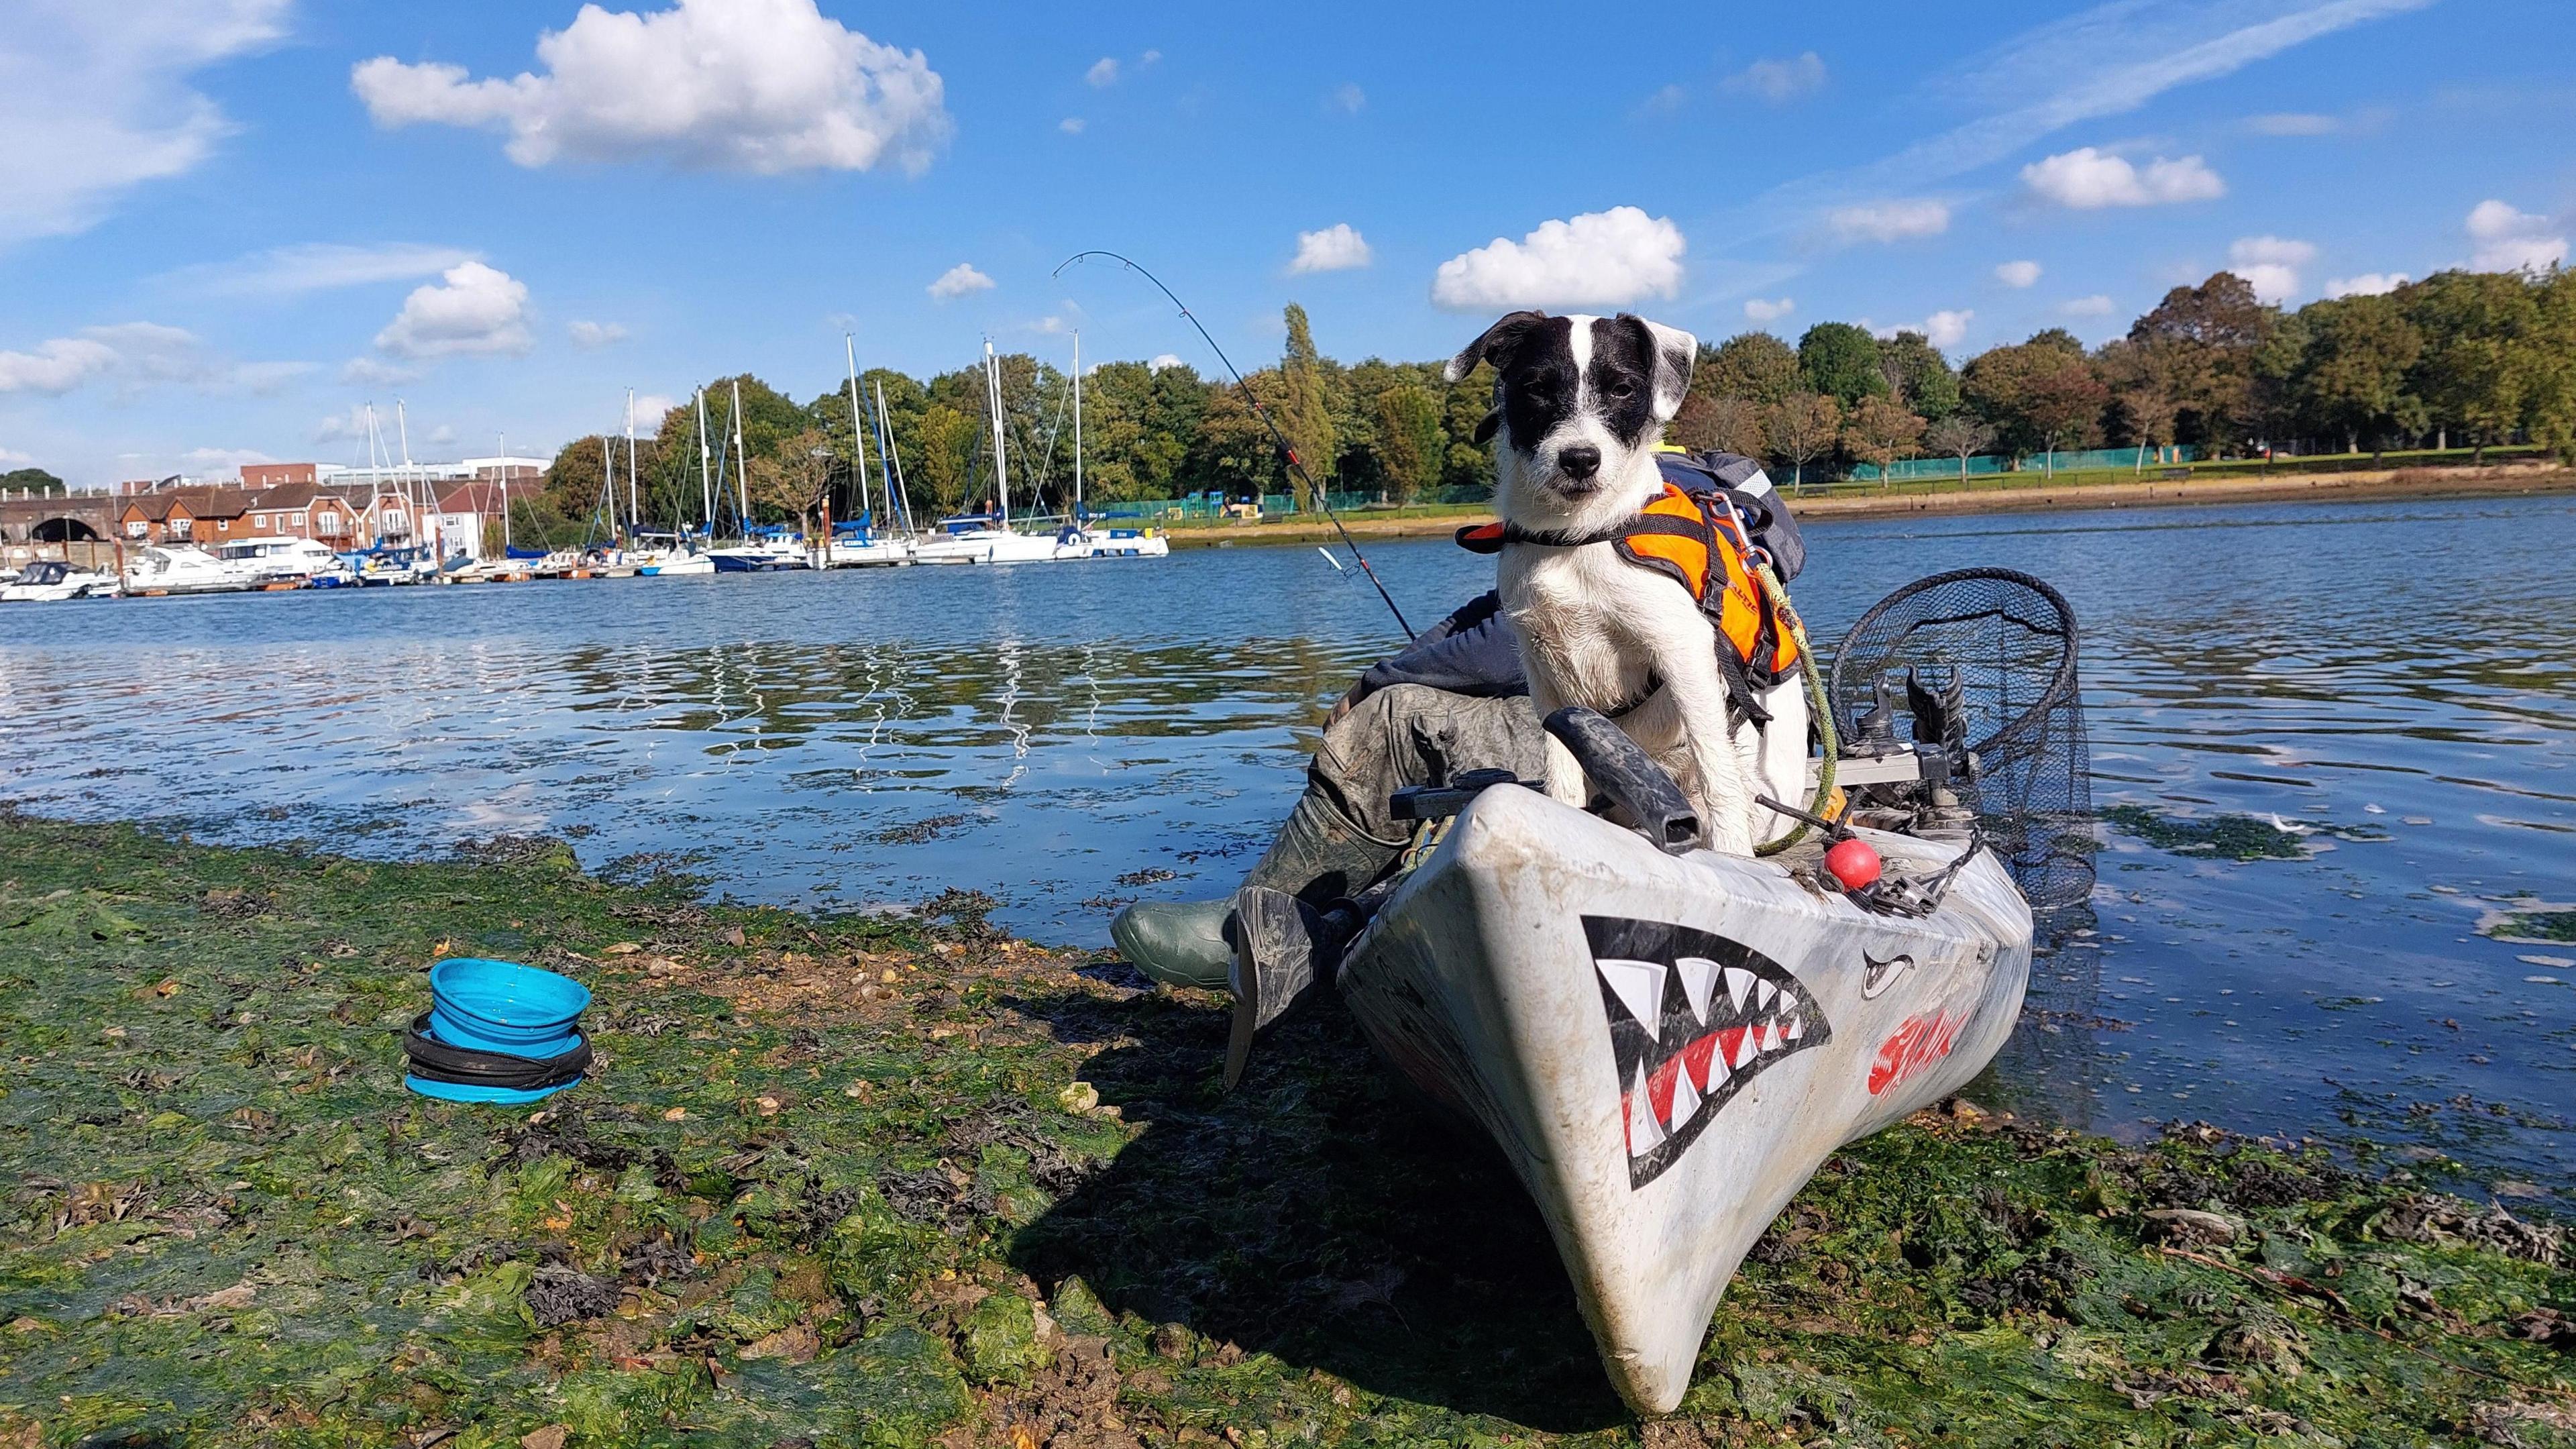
(1580, 461)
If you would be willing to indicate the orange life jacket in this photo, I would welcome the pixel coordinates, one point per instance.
(1692, 539)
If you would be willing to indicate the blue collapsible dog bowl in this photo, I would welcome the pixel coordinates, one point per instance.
(501, 1006)
(504, 1008)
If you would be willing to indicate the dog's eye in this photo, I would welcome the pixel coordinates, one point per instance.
(1623, 389)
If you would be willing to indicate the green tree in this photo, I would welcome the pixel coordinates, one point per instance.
(2551, 393)
(2351, 376)
(946, 442)
(1752, 365)
(2476, 367)
(1841, 361)
(1304, 410)
(30, 480)
(2200, 342)
(2036, 395)
(1410, 440)
(1919, 376)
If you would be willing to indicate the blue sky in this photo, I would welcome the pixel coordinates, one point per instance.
(225, 224)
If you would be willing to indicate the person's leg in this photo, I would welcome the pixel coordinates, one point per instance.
(1341, 835)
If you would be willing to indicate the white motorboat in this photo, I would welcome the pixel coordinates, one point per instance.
(288, 562)
(1090, 542)
(1081, 538)
(674, 564)
(179, 568)
(52, 580)
(861, 550)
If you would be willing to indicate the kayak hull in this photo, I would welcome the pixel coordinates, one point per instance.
(1666, 1048)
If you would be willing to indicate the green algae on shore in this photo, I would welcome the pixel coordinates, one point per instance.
(870, 1181)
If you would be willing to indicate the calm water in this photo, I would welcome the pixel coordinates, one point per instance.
(1061, 738)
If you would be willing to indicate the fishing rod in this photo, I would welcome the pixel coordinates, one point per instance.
(1278, 438)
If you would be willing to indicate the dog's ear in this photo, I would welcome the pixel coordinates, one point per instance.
(1486, 426)
(1493, 346)
(1676, 352)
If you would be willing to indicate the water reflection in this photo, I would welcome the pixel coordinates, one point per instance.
(867, 738)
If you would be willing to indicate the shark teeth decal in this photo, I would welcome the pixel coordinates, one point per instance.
(1693, 1017)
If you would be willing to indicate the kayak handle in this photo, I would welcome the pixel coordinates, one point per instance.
(1621, 769)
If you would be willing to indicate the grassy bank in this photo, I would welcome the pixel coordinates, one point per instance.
(859, 1181)
(2232, 482)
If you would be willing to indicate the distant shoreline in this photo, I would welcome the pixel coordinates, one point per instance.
(2507, 480)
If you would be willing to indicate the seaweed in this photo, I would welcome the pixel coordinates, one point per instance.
(2228, 837)
(891, 1181)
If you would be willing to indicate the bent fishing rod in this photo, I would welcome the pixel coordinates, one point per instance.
(1278, 438)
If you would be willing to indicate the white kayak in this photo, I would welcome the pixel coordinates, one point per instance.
(1667, 1047)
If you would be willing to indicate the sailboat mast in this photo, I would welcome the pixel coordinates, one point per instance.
(634, 510)
(505, 496)
(894, 463)
(1077, 428)
(742, 468)
(706, 489)
(858, 429)
(1001, 469)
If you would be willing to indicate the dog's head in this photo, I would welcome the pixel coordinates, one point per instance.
(1580, 402)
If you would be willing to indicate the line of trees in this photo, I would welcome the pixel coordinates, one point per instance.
(2459, 358)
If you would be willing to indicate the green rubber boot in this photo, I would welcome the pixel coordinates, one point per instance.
(1179, 943)
(1319, 857)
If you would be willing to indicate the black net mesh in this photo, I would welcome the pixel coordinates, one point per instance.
(2010, 641)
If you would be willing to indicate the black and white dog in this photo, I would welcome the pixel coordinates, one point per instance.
(1580, 408)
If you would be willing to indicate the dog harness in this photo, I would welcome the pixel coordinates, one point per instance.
(1696, 540)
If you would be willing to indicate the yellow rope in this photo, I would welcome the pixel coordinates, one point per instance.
(1822, 708)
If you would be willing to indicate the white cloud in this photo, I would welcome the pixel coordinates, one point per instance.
(340, 427)
(1758, 310)
(2293, 123)
(2085, 179)
(1151, 57)
(1887, 221)
(132, 355)
(2513, 241)
(56, 366)
(595, 334)
(1070, 125)
(650, 409)
(95, 100)
(1163, 360)
(2100, 60)
(1668, 100)
(2018, 274)
(1600, 259)
(1337, 248)
(1347, 98)
(1103, 72)
(2368, 284)
(2096, 305)
(472, 308)
(318, 267)
(765, 86)
(1946, 329)
(376, 372)
(959, 280)
(2270, 264)
(1778, 81)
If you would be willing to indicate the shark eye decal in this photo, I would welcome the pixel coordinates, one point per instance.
(1693, 1017)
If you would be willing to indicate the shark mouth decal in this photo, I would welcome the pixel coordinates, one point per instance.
(1693, 1017)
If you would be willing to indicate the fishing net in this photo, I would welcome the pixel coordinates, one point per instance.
(2005, 642)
